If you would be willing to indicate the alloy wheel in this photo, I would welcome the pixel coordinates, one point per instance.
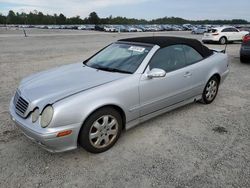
(211, 90)
(103, 131)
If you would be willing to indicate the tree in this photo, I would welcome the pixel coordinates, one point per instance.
(31, 18)
(93, 18)
(61, 19)
(39, 19)
(74, 20)
(36, 17)
(2, 19)
(11, 18)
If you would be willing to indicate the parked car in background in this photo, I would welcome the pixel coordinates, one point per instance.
(243, 28)
(199, 30)
(131, 28)
(167, 28)
(141, 27)
(110, 28)
(99, 27)
(152, 28)
(123, 28)
(81, 27)
(138, 29)
(124, 84)
(188, 27)
(245, 50)
(177, 28)
(90, 27)
(42, 27)
(224, 35)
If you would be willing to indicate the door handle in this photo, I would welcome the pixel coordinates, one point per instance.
(187, 74)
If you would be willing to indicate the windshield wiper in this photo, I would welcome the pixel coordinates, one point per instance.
(111, 69)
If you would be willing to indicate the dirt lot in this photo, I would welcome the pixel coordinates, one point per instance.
(182, 148)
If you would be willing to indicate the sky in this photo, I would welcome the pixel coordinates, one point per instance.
(145, 9)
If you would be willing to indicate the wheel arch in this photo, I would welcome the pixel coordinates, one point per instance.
(212, 74)
(114, 106)
(224, 36)
(217, 75)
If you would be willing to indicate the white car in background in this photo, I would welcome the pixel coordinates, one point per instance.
(82, 27)
(224, 35)
(110, 28)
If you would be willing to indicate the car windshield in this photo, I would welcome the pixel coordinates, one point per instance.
(119, 57)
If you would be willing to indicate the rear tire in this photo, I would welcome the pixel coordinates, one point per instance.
(223, 40)
(210, 91)
(101, 130)
(244, 60)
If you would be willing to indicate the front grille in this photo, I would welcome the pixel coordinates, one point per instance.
(21, 105)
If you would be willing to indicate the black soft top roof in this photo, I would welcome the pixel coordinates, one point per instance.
(163, 41)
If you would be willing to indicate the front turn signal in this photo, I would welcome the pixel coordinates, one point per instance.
(64, 133)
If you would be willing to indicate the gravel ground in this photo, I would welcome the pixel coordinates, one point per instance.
(194, 146)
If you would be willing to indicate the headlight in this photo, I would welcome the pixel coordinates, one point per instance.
(46, 116)
(35, 115)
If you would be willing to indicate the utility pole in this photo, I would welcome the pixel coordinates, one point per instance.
(25, 22)
(24, 32)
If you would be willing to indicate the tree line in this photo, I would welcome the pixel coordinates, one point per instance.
(38, 18)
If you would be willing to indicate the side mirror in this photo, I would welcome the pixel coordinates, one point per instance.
(156, 73)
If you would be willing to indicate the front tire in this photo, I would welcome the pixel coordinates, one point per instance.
(101, 130)
(223, 40)
(210, 91)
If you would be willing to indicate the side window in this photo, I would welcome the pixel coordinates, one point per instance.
(234, 30)
(226, 30)
(192, 56)
(169, 59)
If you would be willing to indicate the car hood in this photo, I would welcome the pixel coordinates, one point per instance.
(50, 86)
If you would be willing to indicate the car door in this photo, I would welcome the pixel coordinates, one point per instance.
(233, 34)
(198, 68)
(237, 35)
(159, 93)
(227, 32)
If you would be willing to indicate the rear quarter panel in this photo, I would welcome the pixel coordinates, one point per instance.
(218, 63)
(205, 69)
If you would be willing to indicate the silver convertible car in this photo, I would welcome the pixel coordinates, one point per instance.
(124, 84)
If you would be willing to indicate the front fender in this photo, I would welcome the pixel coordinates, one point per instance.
(123, 93)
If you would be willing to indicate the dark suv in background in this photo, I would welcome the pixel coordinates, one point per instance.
(245, 49)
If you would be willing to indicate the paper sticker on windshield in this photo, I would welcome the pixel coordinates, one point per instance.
(137, 49)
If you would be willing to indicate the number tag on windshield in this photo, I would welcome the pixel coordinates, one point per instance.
(137, 49)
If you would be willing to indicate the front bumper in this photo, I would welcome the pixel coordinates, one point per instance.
(47, 137)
